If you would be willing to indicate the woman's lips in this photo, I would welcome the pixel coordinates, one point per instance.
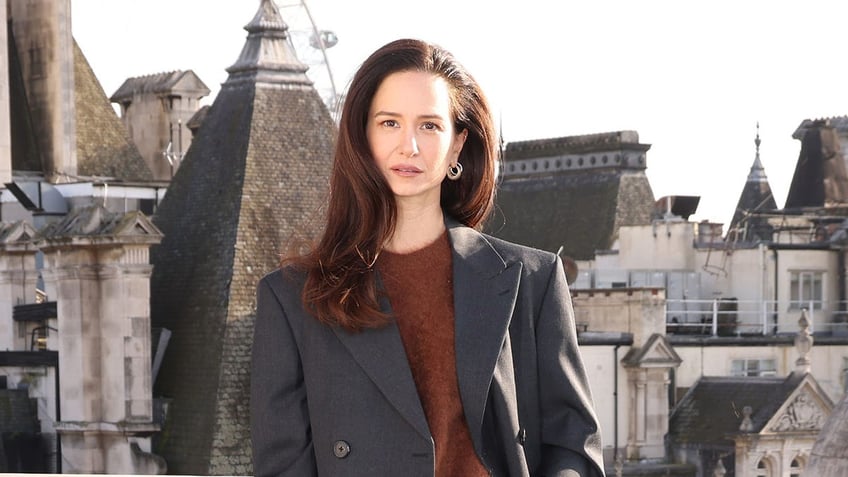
(406, 170)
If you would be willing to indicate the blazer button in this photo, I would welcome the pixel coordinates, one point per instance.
(341, 449)
(522, 436)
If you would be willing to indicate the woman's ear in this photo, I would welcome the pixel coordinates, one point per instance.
(458, 142)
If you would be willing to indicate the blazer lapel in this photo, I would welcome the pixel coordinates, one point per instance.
(485, 290)
(380, 353)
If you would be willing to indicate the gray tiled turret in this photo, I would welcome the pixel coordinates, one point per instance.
(255, 177)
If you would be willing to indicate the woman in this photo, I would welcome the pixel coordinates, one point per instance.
(406, 342)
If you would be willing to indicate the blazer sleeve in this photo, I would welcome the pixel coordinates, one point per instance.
(282, 442)
(571, 439)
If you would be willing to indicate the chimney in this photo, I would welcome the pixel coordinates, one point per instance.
(42, 31)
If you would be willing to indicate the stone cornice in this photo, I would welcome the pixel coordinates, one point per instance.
(96, 227)
(121, 428)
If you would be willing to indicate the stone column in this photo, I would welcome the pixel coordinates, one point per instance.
(42, 30)
(648, 370)
(650, 415)
(97, 268)
(18, 277)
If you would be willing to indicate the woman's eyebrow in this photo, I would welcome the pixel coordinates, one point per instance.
(420, 116)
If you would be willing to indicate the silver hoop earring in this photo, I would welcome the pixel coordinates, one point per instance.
(455, 171)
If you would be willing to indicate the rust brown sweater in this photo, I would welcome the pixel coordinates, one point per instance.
(420, 289)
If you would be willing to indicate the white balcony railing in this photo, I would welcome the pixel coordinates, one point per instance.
(731, 317)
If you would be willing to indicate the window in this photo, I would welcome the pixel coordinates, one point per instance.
(806, 290)
(753, 367)
(763, 468)
(796, 468)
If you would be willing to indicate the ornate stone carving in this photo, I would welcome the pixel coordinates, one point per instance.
(802, 415)
(803, 343)
(747, 424)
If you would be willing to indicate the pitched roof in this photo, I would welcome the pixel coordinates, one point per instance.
(186, 82)
(12, 233)
(656, 352)
(756, 198)
(714, 408)
(97, 221)
(104, 147)
(572, 192)
(255, 177)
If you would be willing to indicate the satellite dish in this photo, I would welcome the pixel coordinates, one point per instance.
(570, 268)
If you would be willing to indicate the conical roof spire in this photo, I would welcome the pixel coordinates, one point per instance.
(756, 198)
(254, 180)
(268, 57)
(758, 173)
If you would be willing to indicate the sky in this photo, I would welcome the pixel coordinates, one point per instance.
(692, 78)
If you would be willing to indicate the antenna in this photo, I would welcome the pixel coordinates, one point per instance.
(501, 159)
(172, 157)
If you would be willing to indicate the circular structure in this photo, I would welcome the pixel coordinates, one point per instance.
(311, 43)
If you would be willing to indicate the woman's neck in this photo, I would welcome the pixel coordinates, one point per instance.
(417, 227)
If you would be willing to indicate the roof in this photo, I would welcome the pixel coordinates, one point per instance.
(15, 232)
(261, 63)
(756, 197)
(840, 123)
(256, 176)
(829, 457)
(572, 192)
(179, 81)
(656, 352)
(579, 211)
(197, 119)
(97, 221)
(820, 178)
(573, 144)
(104, 147)
(713, 410)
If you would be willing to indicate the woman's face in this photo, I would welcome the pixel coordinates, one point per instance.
(411, 135)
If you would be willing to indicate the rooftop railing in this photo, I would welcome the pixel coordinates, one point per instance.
(731, 317)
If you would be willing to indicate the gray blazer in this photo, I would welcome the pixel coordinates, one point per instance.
(332, 403)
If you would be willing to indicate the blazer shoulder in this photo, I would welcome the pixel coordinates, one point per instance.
(533, 259)
(285, 282)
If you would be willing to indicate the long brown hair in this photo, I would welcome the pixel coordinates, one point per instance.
(341, 288)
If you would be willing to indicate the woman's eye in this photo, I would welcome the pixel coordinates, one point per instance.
(389, 123)
(430, 126)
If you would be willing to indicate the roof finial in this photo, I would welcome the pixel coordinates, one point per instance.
(267, 56)
(803, 343)
(758, 173)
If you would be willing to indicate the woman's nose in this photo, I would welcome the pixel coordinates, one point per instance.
(409, 146)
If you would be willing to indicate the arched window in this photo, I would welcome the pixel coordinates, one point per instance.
(763, 468)
(796, 468)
